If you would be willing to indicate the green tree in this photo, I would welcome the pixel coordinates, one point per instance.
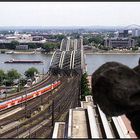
(96, 39)
(10, 76)
(50, 46)
(8, 82)
(13, 44)
(60, 37)
(85, 41)
(75, 35)
(135, 48)
(32, 46)
(84, 86)
(23, 81)
(13, 74)
(137, 39)
(21, 84)
(2, 77)
(30, 72)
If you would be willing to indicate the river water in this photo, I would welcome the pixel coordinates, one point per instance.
(93, 61)
(42, 67)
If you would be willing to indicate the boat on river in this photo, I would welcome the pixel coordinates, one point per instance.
(23, 61)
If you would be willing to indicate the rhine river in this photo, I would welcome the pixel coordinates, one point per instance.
(93, 61)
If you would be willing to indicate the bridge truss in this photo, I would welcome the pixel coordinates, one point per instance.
(69, 59)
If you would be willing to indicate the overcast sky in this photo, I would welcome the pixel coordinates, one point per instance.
(69, 13)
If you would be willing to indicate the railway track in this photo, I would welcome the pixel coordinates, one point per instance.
(68, 102)
(30, 105)
(53, 94)
(48, 79)
(56, 109)
(64, 98)
(11, 108)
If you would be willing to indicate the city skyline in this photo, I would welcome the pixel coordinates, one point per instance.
(69, 13)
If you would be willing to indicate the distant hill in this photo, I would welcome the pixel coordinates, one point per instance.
(58, 27)
(94, 27)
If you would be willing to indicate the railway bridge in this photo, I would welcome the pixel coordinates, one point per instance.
(41, 105)
(31, 113)
(69, 59)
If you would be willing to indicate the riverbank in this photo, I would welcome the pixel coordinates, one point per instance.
(6, 51)
(114, 52)
(16, 52)
(96, 53)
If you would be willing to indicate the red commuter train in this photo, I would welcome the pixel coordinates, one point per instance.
(12, 102)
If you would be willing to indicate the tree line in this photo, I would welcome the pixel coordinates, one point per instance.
(84, 86)
(96, 40)
(8, 78)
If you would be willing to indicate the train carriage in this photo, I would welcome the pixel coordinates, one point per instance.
(29, 96)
